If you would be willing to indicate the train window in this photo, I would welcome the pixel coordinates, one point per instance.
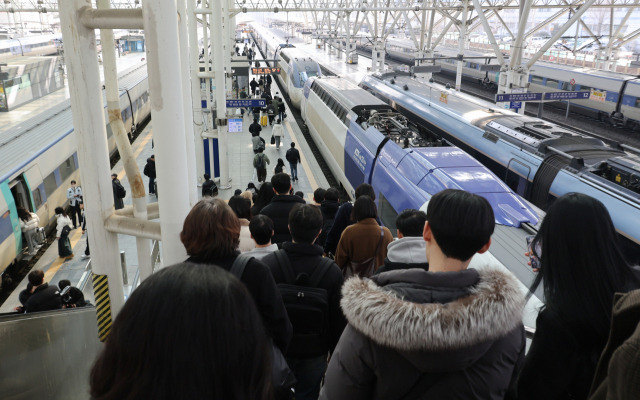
(67, 168)
(6, 228)
(585, 88)
(37, 199)
(552, 83)
(387, 214)
(50, 184)
(535, 79)
(568, 86)
(637, 103)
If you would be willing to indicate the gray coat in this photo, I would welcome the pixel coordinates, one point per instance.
(414, 334)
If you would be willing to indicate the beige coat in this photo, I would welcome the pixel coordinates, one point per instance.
(246, 243)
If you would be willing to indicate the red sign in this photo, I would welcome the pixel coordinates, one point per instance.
(265, 71)
(572, 81)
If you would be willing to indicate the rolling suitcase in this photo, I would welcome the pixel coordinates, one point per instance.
(264, 120)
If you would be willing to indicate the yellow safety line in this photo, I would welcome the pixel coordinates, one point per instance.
(305, 165)
(137, 152)
(55, 266)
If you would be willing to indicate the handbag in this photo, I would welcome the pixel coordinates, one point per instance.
(366, 268)
(273, 139)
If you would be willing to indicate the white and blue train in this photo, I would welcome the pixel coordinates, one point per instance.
(295, 66)
(363, 139)
(38, 159)
(621, 104)
(538, 160)
(41, 45)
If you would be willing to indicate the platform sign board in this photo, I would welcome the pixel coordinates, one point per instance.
(508, 97)
(240, 103)
(566, 96)
(598, 95)
(235, 125)
(265, 71)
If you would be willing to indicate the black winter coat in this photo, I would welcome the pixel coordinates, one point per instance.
(304, 258)
(329, 209)
(118, 190)
(259, 281)
(428, 335)
(44, 298)
(278, 210)
(150, 168)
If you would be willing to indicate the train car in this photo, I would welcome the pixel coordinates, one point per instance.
(538, 160)
(295, 66)
(620, 105)
(41, 45)
(364, 140)
(38, 159)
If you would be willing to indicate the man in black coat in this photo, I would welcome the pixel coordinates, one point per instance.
(150, 171)
(253, 85)
(280, 206)
(119, 192)
(255, 127)
(308, 357)
(43, 297)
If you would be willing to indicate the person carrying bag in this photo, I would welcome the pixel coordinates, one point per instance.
(366, 268)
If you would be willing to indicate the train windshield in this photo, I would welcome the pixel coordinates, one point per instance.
(304, 75)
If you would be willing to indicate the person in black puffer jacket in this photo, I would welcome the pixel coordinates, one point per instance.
(329, 208)
(280, 206)
(450, 332)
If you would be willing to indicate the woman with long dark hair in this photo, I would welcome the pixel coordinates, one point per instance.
(265, 194)
(206, 341)
(211, 235)
(581, 266)
(63, 228)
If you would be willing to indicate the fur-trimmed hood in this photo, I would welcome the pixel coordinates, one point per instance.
(415, 310)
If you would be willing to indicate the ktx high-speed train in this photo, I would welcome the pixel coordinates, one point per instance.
(361, 138)
(295, 66)
(38, 159)
(538, 160)
(41, 45)
(621, 103)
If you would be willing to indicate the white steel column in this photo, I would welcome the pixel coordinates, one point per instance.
(461, 42)
(218, 13)
(93, 154)
(160, 19)
(196, 97)
(139, 198)
(192, 177)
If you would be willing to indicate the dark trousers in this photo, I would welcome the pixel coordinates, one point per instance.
(294, 170)
(152, 188)
(73, 210)
(308, 372)
(262, 174)
(86, 251)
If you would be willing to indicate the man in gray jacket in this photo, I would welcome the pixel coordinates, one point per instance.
(450, 332)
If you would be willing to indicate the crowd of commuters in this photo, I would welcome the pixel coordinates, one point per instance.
(420, 324)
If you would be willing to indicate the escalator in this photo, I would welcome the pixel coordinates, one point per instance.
(48, 354)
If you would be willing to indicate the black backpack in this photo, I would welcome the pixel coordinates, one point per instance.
(307, 306)
(147, 170)
(260, 161)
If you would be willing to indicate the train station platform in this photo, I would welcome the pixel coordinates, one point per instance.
(240, 152)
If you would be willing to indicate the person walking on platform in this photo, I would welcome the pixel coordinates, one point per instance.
(119, 192)
(276, 106)
(253, 85)
(314, 338)
(261, 84)
(87, 251)
(74, 195)
(243, 96)
(293, 156)
(261, 229)
(278, 133)
(271, 112)
(209, 187)
(256, 113)
(280, 206)
(150, 171)
(260, 162)
(258, 142)
(255, 128)
(63, 228)
(269, 80)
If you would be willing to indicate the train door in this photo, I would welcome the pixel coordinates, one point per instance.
(20, 193)
(515, 181)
